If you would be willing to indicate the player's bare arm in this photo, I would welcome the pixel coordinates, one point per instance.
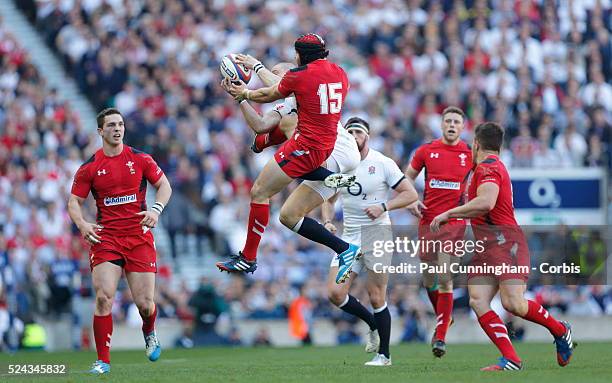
(162, 196)
(417, 206)
(259, 124)
(261, 95)
(406, 195)
(265, 75)
(483, 203)
(327, 214)
(88, 230)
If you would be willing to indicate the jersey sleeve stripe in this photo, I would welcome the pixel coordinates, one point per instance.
(398, 182)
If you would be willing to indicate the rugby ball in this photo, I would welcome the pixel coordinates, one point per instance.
(233, 71)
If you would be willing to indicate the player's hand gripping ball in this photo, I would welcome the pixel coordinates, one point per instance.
(233, 71)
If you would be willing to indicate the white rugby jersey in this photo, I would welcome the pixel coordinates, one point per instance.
(376, 174)
(287, 107)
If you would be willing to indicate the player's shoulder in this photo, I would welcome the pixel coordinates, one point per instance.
(490, 164)
(91, 160)
(138, 152)
(375, 155)
(464, 146)
(428, 145)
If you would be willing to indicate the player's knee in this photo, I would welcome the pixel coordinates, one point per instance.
(336, 296)
(445, 285)
(288, 216)
(145, 305)
(479, 305)
(377, 297)
(513, 304)
(256, 191)
(104, 303)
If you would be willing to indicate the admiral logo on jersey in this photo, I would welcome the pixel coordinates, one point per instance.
(112, 201)
(439, 184)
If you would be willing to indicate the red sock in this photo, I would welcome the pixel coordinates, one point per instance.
(274, 137)
(433, 297)
(444, 310)
(277, 136)
(258, 220)
(103, 330)
(538, 314)
(148, 323)
(495, 328)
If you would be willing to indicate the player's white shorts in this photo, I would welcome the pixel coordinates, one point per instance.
(371, 239)
(344, 159)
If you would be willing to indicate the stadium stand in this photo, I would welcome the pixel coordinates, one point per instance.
(543, 70)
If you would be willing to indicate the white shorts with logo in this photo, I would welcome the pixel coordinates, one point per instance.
(371, 239)
(344, 159)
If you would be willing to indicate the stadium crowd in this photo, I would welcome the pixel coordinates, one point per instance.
(540, 68)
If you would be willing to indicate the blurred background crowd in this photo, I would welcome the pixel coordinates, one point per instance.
(541, 68)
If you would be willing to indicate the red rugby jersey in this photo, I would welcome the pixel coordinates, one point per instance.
(119, 186)
(320, 89)
(446, 171)
(493, 170)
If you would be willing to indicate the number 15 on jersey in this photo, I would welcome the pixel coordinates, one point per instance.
(330, 97)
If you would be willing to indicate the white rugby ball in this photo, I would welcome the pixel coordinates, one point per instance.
(233, 71)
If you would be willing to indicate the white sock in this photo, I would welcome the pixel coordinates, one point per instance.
(298, 225)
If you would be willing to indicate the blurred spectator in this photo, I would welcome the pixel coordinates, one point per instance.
(208, 306)
(262, 338)
(571, 145)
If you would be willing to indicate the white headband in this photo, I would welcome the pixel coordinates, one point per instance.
(358, 126)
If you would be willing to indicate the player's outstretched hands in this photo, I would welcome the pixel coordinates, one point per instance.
(374, 212)
(438, 221)
(247, 60)
(235, 90)
(89, 231)
(331, 227)
(416, 207)
(149, 218)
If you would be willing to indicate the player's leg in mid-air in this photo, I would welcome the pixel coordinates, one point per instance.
(270, 181)
(279, 134)
(311, 194)
(105, 277)
(142, 286)
(293, 213)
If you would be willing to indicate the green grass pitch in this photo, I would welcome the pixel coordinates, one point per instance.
(592, 362)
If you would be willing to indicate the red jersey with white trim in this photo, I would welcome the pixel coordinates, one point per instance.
(493, 170)
(119, 186)
(320, 89)
(446, 171)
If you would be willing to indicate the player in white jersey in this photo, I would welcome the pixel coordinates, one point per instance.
(365, 208)
(309, 194)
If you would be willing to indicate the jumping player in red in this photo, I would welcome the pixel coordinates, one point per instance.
(491, 211)
(320, 88)
(447, 163)
(121, 239)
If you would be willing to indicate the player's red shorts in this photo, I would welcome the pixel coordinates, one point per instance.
(513, 252)
(297, 160)
(135, 252)
(453, 230)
